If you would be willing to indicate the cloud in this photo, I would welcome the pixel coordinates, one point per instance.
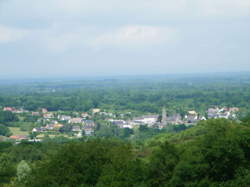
(135, 36)
(128, 11)
(164, 7)
(9, 34)
(59, 38)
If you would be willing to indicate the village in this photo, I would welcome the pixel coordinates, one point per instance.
(80, 124)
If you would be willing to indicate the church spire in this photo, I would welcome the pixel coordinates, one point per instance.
(164, 117)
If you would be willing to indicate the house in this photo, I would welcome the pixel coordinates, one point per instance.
(48, 115)
(44, 110)
(58, 126)
(35, 113)
(224, 115)
(96, 110)
(222, 112)
(192, 112)
(117, 122)
(108, 114)
(19, 111)
(127, 126)
(50, 127)
(89, 123)
(75, 120)
(79, 134)
(64, 118)
(202, 118)
(192, 117)
(35, 140)
(174, 119)
(89, 127)
(19, 138)
(88, 131)
(213, 112)
(10, 109)
(147, 119)
(85, 115)
(37, 129)
(76, 128)
(54, 122)
(234, 109)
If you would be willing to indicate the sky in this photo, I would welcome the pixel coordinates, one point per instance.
(50, 38)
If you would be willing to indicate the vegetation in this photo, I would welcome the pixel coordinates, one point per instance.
(4, 131)
(144, 95)
(213, 153)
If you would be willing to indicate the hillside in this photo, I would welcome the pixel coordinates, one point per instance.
(213, 153)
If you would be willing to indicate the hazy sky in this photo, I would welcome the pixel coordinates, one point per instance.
(40, 38)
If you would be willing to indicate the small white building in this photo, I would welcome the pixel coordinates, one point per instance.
(147, 119)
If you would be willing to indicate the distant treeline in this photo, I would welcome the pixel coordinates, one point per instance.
(145, 95)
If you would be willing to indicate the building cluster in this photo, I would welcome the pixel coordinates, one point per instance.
(190, 118)
(149, 120)
(224, 112)
(80, 124)
(15, 110)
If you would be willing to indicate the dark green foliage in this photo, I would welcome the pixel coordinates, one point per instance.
(4, 146)
(84, 163)
(26, 151)
(246, 120)
(123, 169)
(125, 133)
(7, 169)
(213, 153)
(7, 116)
(221, 150)
(162, 164)
(4, 130)
(178, 94)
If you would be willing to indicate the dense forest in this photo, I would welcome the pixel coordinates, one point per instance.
(144, 94)
(213, 153)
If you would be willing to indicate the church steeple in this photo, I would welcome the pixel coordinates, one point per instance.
(164, 117)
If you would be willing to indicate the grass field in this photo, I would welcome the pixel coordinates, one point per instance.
(16, 131)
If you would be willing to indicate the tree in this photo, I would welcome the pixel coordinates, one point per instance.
(4, 131)
(162, 164)
(221, 150)
(7, 116)
(7, 169)
(23, 171)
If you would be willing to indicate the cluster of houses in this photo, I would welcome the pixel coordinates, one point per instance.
(224, 112)
(149, 120)
(15, 110)
(78, 125)
(82, 123)
(191, 118)
(154, 121)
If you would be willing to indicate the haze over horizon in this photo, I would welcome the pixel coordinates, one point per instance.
(54, 38)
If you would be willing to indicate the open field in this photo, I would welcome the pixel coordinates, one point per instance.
(16, 131)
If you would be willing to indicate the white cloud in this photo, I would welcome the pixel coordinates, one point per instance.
(165, 7)
(9, 34)
(129, 10)
(60, 38)
(135, 35)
